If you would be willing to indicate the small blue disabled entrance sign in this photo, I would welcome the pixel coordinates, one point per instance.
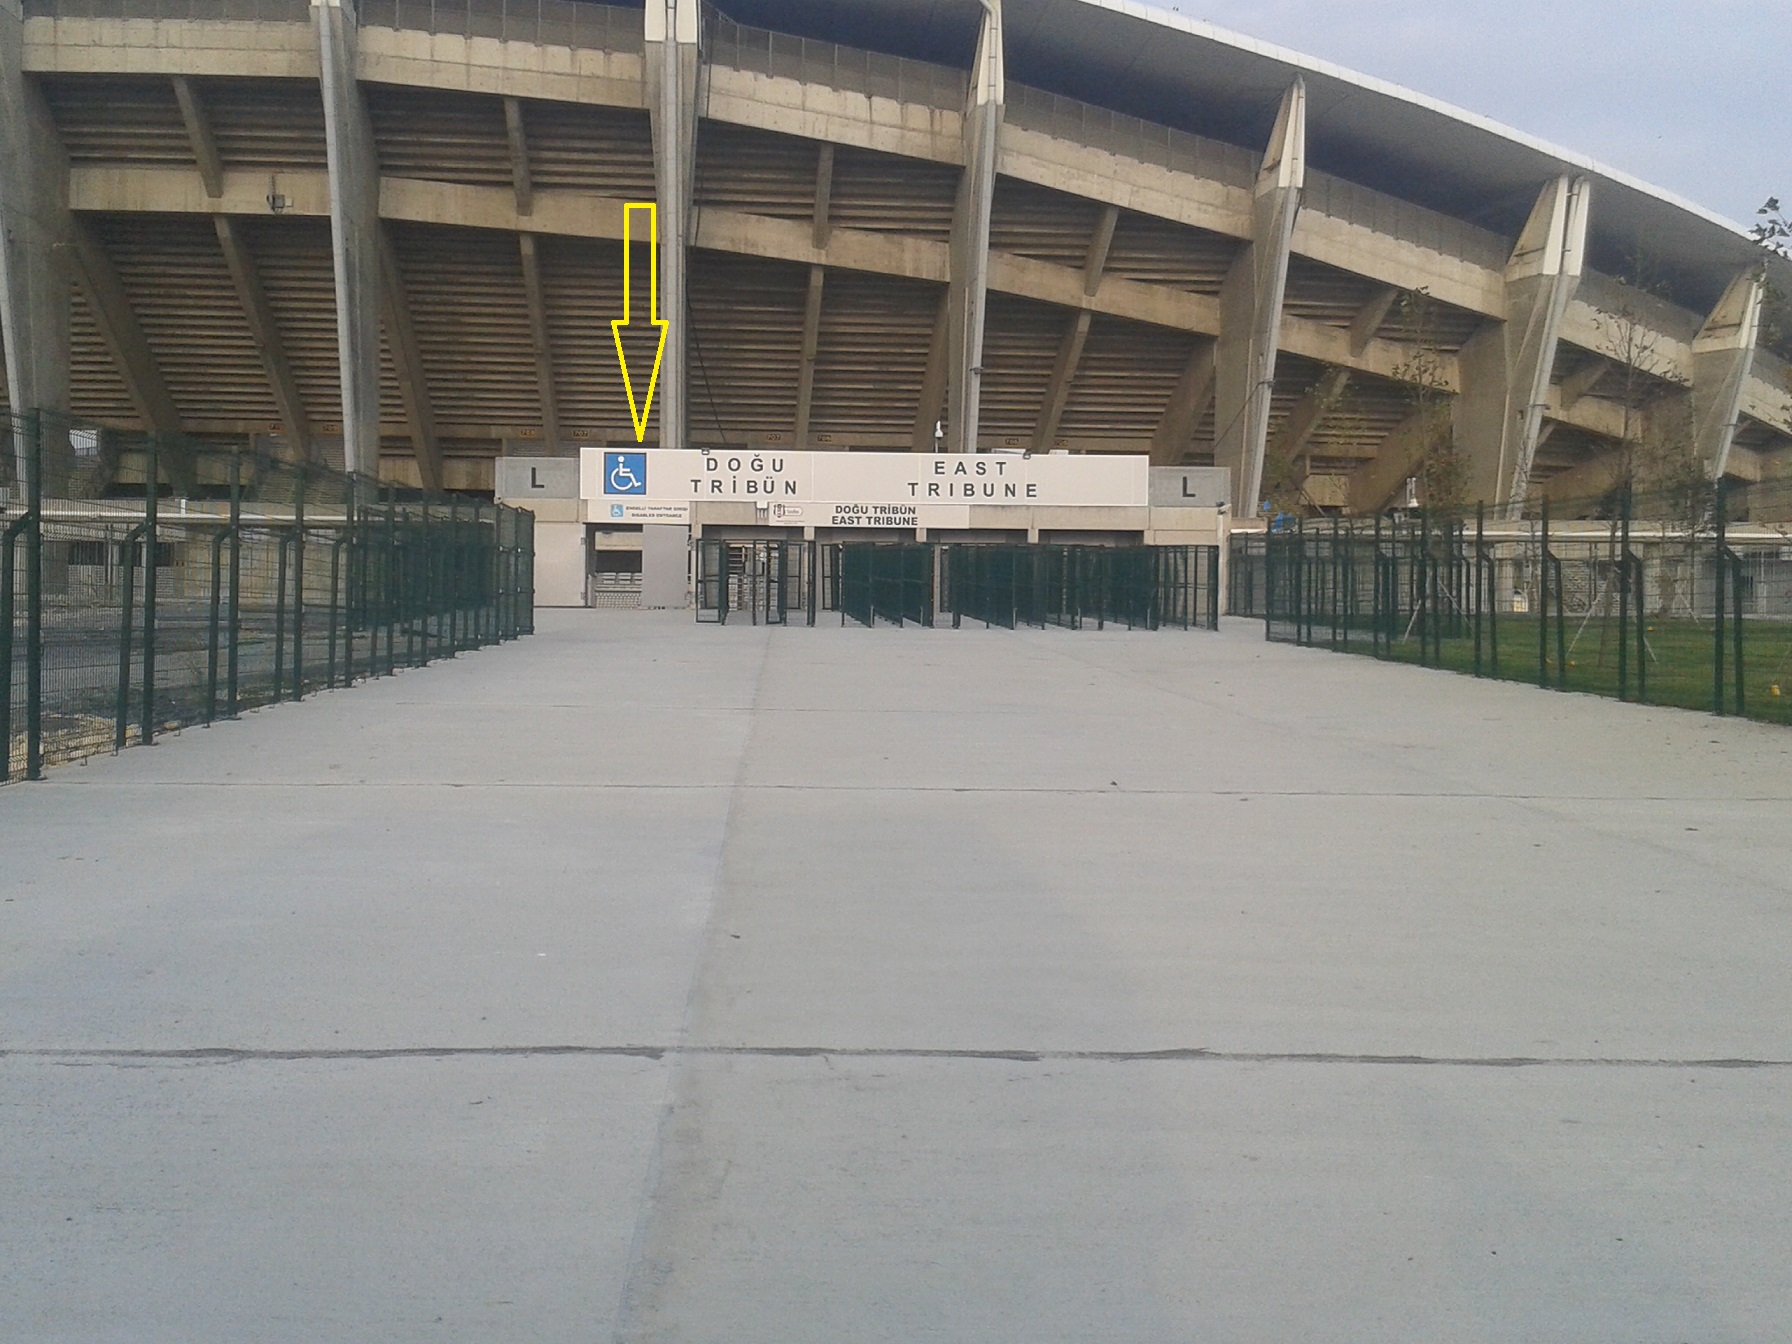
(625, 473)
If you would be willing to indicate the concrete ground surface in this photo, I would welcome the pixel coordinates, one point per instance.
(642, 981)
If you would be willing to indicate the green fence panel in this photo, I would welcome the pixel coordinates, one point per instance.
(149, 583)
(1680, 598)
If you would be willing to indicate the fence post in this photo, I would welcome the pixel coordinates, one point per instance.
(1375, 587)
(491, 619)
(1441, 581)
(1718, 530)
(212, 625)
(527, 589)
(34, 600)
(1624, 593)
(1427, 584)
(1736, 626)
(298, 584)
(127, 626)
(1213, 588)
(336, 545)
(1555, 567)
(151, 504)
(351, 606)
(281, 543)
(8, 546)
(389, 581)
(24, 529)
(1480, 575)
(1543, 599)
(234, 617)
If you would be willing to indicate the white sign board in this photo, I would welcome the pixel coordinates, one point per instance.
(835, 489)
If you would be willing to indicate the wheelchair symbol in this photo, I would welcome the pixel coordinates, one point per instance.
(625, 473)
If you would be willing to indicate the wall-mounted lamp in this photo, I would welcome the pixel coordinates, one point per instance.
(276, 202)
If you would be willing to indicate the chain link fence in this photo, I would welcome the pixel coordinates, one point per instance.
(1675, 598)
(152, 582)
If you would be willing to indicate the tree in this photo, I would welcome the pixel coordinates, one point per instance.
(1442, 472)
(1657, 458)
(1773, 231)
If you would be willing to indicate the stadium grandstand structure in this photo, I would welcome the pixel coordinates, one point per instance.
(387, 235)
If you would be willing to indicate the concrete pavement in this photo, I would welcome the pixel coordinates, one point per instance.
(650, 982)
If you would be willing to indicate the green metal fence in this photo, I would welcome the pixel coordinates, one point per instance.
(1140, 587)
(148, 583)
(1678, 599)
(892, 583)
(778, 582)
(759, 581)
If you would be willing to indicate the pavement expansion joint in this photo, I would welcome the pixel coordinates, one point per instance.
(1189, 1055)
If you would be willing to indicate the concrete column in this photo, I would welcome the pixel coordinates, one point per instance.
(266, 331)
(1187, 404)
(930, 410)
(1505, 368)
(407, 366)
(354, 232)
(34, 245)
(1251, 308)
(1377, 481)
(1309, 413)
(672, 76)
(1723, 355)
(805, 382)
(1057, 392)
(968, 289)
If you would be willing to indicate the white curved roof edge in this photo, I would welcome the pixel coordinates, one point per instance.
(1388, 89)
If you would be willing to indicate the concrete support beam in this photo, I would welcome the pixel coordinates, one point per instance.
(1723, 355)
(123, 337)
(266, 331)
(538, 337)
(520, 180)
(34, 261)
(1099, 245)
(672, 76)
(1581, 382)
(805, 383)
(1586, 480)
(1400, 455)
(354, 233)
(199, 135)
(969, 263)
(407, 364)
(1188, 403)
(932, 406)
(1505, 368)
(1057, 394)
(824, 195)
(1308, 413)
(1251, 307)
(121, 332)
(1372, 316)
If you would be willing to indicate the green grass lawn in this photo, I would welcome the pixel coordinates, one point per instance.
(1678, 660)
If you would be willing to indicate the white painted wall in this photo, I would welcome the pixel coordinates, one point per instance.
(559, 564)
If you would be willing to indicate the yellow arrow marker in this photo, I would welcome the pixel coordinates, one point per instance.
(639, 410)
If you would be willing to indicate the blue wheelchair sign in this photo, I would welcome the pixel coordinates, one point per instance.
(625, 473)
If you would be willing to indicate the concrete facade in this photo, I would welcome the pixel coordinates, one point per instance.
(860, 246)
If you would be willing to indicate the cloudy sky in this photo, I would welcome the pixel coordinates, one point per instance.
(1691, 95)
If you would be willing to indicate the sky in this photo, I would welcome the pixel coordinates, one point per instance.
(1694, 96)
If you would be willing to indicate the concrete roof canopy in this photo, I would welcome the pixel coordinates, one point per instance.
(1194, 76)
